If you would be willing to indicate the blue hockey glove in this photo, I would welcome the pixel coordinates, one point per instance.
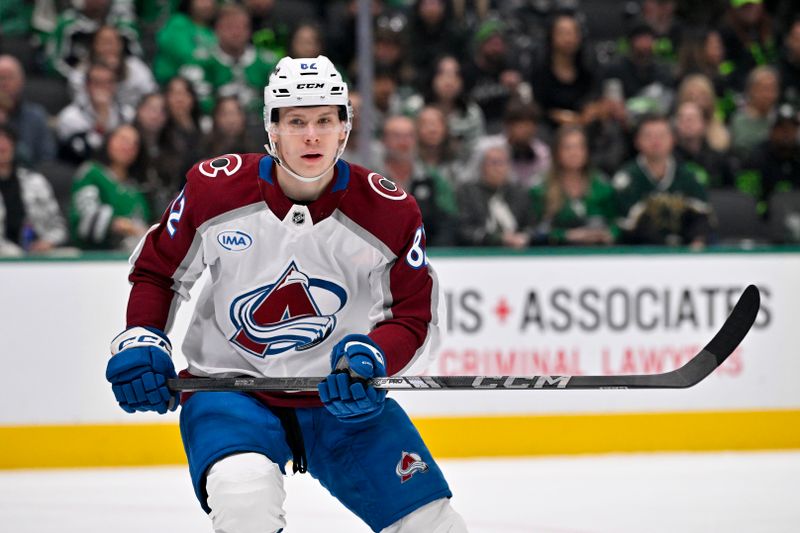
(345, 392)
(138, 370)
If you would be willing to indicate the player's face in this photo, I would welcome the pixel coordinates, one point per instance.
(308, 138)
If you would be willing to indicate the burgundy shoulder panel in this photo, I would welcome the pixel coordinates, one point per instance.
(381, 207)
(222, 184)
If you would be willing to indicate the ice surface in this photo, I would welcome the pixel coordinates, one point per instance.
(727, 492)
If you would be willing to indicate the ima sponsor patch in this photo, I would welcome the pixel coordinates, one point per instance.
(410, 463)
(234, 240)
(385, 187)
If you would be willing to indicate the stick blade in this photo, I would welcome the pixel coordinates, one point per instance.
(730, 335)
(736, 326)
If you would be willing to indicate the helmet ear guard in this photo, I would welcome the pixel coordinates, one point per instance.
(305, 82)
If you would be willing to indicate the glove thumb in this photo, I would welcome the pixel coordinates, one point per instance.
(361, 366)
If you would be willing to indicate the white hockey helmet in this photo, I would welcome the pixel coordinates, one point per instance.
(305, 82)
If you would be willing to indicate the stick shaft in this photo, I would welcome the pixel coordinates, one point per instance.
(699, 367)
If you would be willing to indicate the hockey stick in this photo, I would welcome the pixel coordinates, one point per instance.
(698, 368)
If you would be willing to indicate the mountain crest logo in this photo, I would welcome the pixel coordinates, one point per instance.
(410, 463)
(297, 312)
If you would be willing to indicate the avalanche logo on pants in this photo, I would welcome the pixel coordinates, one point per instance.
(285, 315)
(410, 464)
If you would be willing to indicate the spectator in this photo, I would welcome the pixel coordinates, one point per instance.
(228, 134)
(108, 209)
(390, 51)
(133, 75)
(660, 15)
(640, 68)
(747, 36)
(70, 42)
(305, 40)
(400, 163)
(186, 36)
(81, 126)
(606, 126)
(491, 76)
(702, 52)
(433, 23)
(234, 67)
(789, 65)
(660, 200)
(697, 88)
(697, 14)
(445, 90)
(530, 156)
(563, 82)
(353, 153)
(155, 171)
(272, 23)
(435, 150)
(385, 97)
(494, 211)
(15, 18)
(340, 28)
(183, 130)
(774, 165)
(750, 125)
(35, 142)
(30, 219)
(575, 204)
(710, 166)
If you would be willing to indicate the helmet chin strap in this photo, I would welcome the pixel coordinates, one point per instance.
(297, 176)
(272, 149)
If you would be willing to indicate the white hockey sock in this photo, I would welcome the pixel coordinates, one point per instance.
(435, 517)
(245, 494)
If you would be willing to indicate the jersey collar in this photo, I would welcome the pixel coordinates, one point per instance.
(320, 208)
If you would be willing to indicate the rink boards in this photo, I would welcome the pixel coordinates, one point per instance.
(559, 312)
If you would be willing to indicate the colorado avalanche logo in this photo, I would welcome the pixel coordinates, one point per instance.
(410, 464)
(294, 313)
(385, 187)
(228, 164)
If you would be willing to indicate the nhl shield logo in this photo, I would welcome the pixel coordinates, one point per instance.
(297, 312)
(410, 463)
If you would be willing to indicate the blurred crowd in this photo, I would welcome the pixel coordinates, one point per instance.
(514, 123)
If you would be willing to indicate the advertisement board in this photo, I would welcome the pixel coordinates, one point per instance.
(537, 314)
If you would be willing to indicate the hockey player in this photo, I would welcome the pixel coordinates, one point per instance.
(316, 267)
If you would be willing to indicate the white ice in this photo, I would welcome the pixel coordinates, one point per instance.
(730, 492)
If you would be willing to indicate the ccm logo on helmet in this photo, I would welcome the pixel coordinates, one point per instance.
(310, 85)
(304, 66)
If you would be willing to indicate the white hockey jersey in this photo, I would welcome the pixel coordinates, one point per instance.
(288, 280)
